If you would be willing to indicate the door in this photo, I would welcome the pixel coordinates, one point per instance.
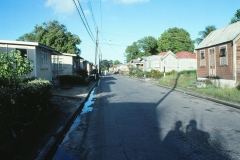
(212, 63)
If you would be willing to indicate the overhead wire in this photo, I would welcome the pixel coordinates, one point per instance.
(85, 18)
(91, 36)
(90, 8)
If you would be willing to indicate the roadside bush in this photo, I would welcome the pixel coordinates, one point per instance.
(82, 73)
(136, 72)
(208, 82)
(71, 80)
(21, 105)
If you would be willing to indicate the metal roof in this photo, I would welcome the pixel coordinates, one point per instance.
(226, 34)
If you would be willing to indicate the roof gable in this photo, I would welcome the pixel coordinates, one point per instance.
(185, 54)
(226, 34)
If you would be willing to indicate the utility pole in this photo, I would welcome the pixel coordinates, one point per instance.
(99, 60)
(96, 52)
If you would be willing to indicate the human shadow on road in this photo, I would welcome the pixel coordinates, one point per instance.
(193, 144)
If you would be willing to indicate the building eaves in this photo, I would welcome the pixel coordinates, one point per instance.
(26, 44)
(223, 35)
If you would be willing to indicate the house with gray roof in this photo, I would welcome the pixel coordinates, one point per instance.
(218, 56)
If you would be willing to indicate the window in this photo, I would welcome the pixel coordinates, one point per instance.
(223, 55)
(60, 65)
(44, 60)
(23, 52)
(157, 64)
(202, 59)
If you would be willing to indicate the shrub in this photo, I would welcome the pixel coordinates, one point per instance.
(21, 105)
(13, 65)
(71, 80)
(82, 73)
(208, 82)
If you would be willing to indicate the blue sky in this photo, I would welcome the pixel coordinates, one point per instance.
(120, 22)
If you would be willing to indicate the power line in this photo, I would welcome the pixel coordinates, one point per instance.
(84, 17)
(90, 8)
(92, 37)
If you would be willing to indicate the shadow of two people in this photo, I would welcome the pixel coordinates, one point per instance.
(191, 144)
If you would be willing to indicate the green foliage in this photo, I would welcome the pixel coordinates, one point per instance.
(205, 33)
(136, 72)
(179, 79)
(71, 80)
(208, 82)
(13, 65)
(105, 64)
(21, 106)
(116, 62)
(238, 86)
(55, 35)
(146, 46)
(176, 40)
(236, 17)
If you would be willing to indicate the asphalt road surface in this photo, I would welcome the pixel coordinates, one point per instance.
(132, 120)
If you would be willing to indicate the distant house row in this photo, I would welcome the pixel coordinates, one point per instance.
(163, 62)
(217, 57)
(48, 63)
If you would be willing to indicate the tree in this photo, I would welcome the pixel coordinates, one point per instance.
(105, 64)
(55, 35)
(176, 40)
(132, 52)
(236, 17)
(116, 62)
(148, 45)
(13, 66)
(205, 33)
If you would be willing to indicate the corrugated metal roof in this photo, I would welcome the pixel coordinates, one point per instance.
(222, 35)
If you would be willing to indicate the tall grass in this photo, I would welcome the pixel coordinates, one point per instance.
(184, 79)
(178, 79)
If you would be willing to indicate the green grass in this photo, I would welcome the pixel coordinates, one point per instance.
(178, 80)
(184, 79)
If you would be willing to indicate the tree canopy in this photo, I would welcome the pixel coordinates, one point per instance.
(236, 17)
(205, 33)
(116, 62)
(144, 47)
(105, 64)
(176, 40)
(55, 35)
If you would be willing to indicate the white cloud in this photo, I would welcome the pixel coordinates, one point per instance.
(61, 6)
(130, 1)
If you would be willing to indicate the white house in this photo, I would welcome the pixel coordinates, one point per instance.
(37, 52)
(65, 64)
(186, 61)
(165, 61)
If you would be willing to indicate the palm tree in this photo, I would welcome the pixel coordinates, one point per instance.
(204, 33)
(236, 17)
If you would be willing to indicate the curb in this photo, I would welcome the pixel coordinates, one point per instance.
(52, 145)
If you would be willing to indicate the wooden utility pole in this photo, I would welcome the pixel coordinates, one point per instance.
(96, 52)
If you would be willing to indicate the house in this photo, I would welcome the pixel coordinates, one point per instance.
(37, 52)
(218, 56)
(65, 64)
(123, 68)
(186, 61)
(136, 63)
(165, 61)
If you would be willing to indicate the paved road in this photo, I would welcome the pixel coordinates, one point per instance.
(132, 119)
